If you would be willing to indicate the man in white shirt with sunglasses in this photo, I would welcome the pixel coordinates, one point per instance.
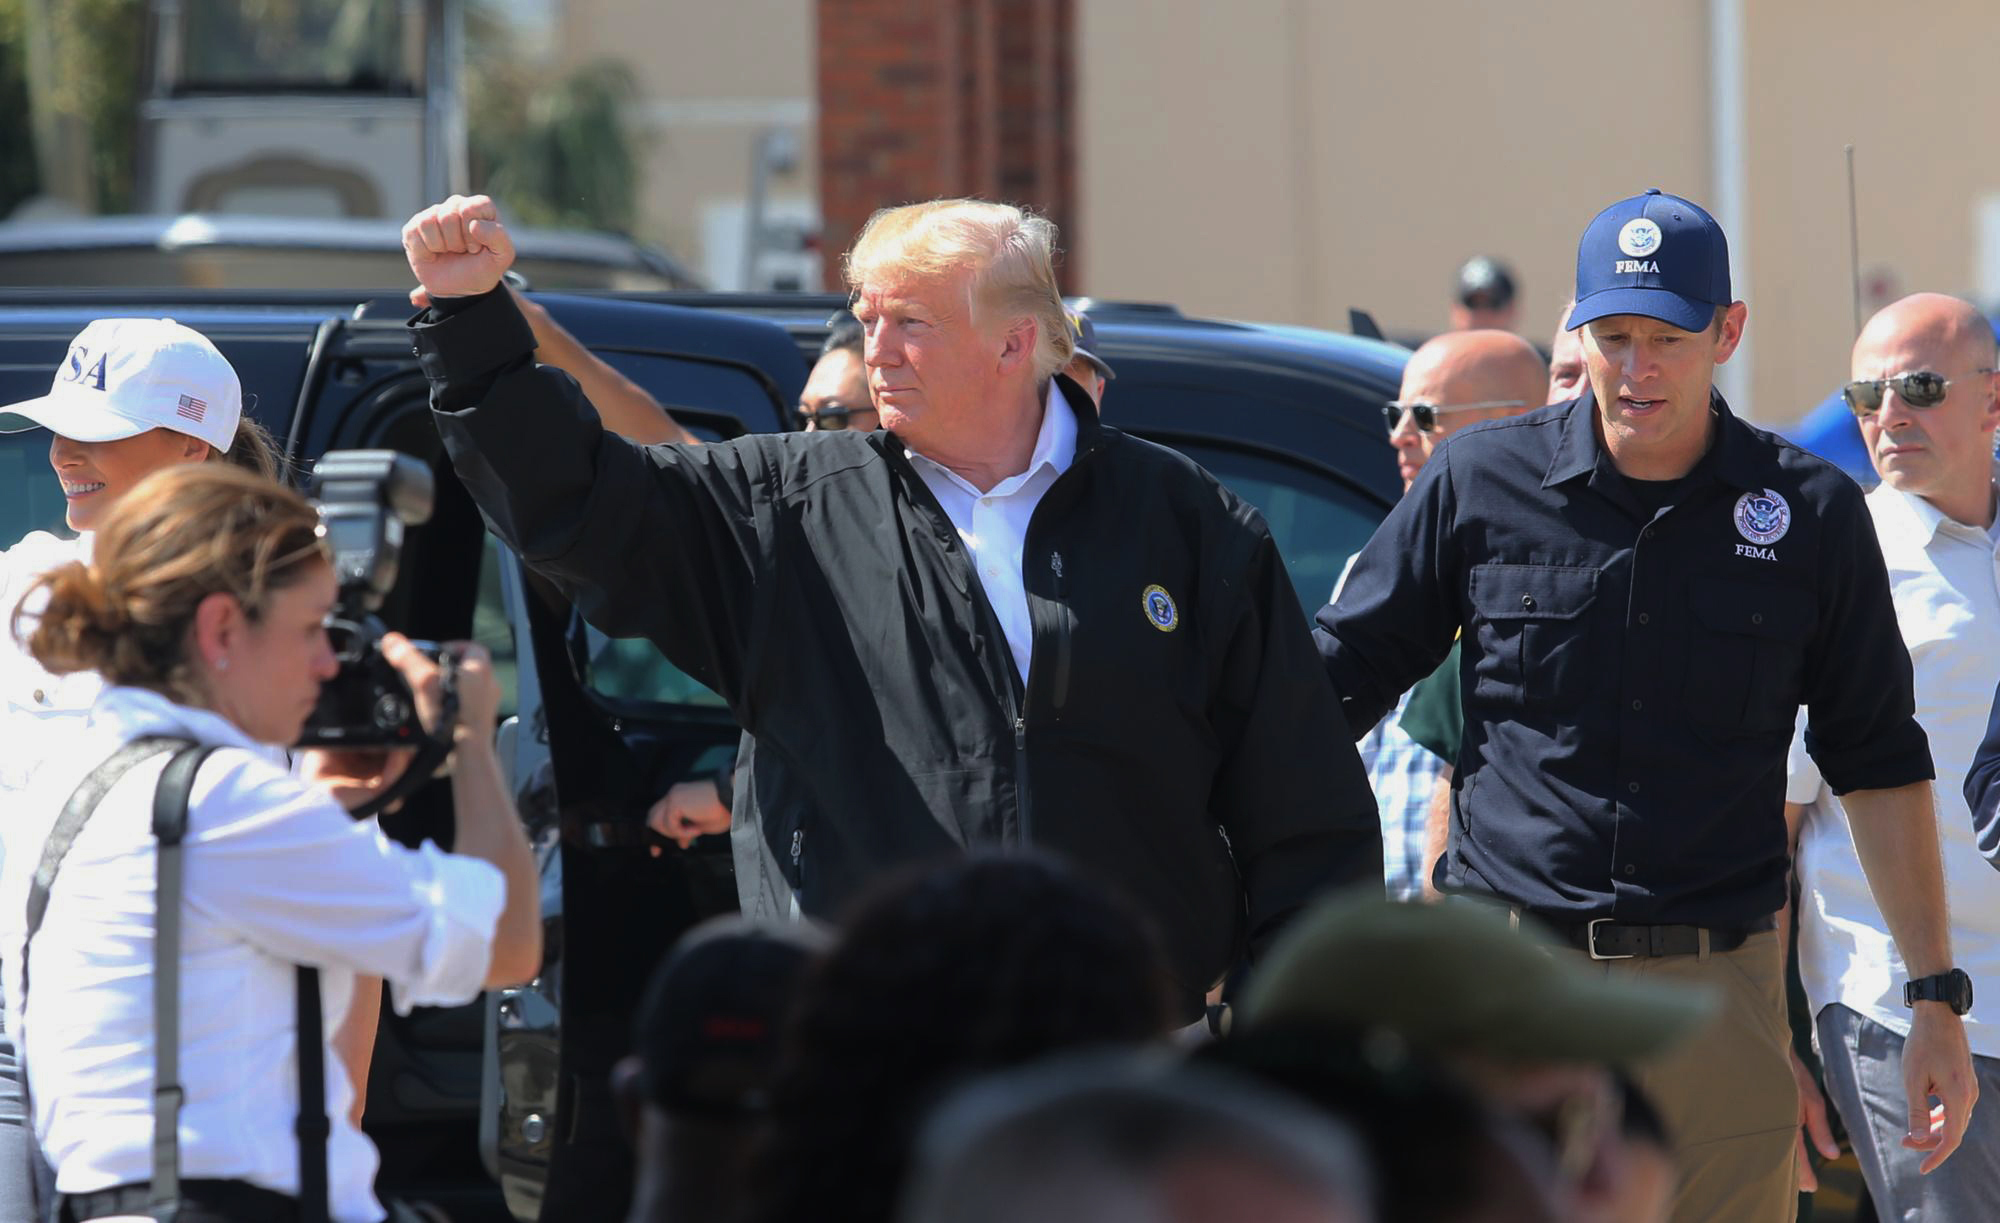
(1928, 399)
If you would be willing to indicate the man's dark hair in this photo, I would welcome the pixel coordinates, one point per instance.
(982, 964)
(704, 1039)
(706, 1030)
(843, 332)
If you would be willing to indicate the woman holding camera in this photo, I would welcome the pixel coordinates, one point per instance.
(202, 608)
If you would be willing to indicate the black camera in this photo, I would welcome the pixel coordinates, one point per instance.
(366, 499)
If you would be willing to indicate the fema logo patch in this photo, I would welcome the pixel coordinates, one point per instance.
(1763, 518)
(1639, 238)
(1160, 610)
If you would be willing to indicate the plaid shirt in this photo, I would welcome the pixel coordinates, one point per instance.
(1402, 773)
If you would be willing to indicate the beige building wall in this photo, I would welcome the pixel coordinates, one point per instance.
(713, 78)
(1288, 159)
(1912, 87)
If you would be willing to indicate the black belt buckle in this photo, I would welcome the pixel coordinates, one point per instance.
(1590, 942)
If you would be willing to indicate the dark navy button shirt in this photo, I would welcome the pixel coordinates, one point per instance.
(1631, 676)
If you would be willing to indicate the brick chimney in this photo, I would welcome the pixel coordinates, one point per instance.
(920, 99)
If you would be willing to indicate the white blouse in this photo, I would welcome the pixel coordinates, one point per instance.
(276, 874)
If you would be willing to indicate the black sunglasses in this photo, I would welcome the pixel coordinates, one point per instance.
(831, 415)
(1920, 388)
(1426, 414)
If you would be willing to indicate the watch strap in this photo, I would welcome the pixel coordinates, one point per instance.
(1954, 988)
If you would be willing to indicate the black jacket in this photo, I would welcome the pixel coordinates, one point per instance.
(815, 583)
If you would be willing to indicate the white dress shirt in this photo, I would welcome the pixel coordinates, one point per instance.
(994, 525)
(34, 705)
(277, 874)
(1945, 579)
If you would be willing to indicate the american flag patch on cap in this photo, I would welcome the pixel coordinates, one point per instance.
(192, 408)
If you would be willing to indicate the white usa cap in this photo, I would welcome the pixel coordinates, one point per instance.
(123, 376)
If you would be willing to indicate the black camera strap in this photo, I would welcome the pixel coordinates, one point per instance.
(170, 818)
(70, 823)
(312, 1126)
(62, 838)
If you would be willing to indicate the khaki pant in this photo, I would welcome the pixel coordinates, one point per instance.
(1730, 1103)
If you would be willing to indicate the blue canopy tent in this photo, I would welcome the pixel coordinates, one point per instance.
(1830, 432)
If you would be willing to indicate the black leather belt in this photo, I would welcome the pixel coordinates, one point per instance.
(1605, 939)
(237, 1199)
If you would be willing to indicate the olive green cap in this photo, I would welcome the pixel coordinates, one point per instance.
(1456, 978)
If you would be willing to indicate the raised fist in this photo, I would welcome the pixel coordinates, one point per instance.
(458, 248)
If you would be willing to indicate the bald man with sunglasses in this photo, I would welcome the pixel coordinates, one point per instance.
(1459, 379)
(1928, 402)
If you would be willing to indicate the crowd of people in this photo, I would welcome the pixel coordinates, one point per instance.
(1081, 878)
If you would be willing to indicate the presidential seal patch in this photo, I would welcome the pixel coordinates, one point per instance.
(1160, 610)
(1763, 518)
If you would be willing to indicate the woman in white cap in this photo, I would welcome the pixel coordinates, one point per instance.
(131, 396)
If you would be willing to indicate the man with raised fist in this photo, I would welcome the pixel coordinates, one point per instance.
(992, 621)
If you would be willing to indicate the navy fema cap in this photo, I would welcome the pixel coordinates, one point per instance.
(1654, 255)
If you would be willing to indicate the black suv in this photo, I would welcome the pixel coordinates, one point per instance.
(599, 728)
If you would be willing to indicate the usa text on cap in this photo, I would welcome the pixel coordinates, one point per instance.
(124, 376)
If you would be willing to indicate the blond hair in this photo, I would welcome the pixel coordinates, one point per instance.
(183, 533)
(1009, 251)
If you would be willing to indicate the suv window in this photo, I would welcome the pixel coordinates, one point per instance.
(633, 669)
(492, 629)
(30, 498)
(1317, 521)
(622, 668)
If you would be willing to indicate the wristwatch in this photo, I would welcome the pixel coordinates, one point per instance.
(1953, 988)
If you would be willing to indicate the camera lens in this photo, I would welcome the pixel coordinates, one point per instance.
(390, 711)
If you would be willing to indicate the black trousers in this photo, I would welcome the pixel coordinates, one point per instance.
(202, 1201)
